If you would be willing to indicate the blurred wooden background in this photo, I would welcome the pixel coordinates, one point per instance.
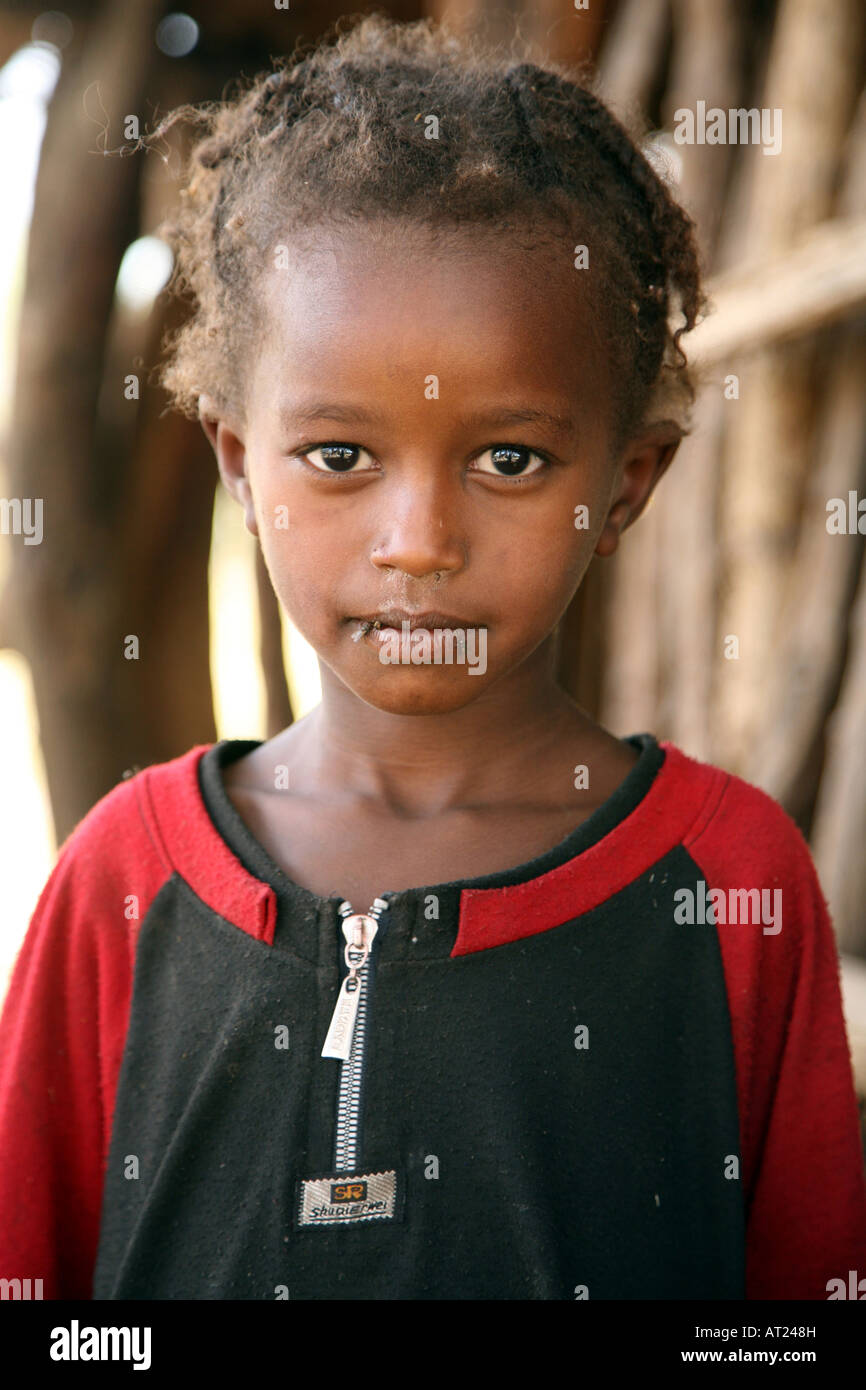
(731, 621)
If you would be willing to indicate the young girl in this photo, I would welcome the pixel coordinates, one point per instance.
(445, 991)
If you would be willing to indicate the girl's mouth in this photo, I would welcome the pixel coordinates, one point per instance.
(379, 628)
(397, 620)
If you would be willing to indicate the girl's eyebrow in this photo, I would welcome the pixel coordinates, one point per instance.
(294, 415)
(558, 421)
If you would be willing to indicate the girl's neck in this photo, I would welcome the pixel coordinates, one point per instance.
(504, 741)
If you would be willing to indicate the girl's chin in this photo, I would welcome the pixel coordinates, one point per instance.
(419, 706)
(403, 691)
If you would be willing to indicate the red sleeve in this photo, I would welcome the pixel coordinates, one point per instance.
(62, 1034)
(802, 1158)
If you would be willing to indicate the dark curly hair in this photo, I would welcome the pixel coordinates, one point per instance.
(335, 135)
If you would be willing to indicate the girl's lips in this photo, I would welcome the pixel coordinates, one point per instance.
(396, 617)
(393, 626)
(378, 634)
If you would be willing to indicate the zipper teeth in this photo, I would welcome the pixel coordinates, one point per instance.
(349, 1103)
(351, 1071)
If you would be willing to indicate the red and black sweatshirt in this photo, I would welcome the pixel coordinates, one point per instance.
(616, 1071)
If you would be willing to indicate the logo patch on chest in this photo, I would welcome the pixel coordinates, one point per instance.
(345, 1199)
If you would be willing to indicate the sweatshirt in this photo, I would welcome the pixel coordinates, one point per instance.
(616, 1071)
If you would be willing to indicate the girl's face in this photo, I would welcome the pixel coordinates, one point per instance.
(425, 428)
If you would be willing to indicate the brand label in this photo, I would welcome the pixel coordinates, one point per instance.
(347, 1198)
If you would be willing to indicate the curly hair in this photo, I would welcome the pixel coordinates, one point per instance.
(333, 135)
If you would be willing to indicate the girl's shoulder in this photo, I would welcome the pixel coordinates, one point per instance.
(114, 862)
(734, 828)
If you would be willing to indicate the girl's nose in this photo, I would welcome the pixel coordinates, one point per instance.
(420, 535)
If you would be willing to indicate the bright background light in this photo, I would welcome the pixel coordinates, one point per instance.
(143, 272)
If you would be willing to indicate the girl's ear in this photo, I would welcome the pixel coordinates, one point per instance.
(642, 464)
(227, 443)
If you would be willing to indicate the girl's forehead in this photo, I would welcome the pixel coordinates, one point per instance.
(481, 301)
(394, 252)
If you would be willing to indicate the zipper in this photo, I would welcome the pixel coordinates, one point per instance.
(347, 1034)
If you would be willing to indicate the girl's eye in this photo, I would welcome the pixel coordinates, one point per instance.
(336, 458)
(512, 460)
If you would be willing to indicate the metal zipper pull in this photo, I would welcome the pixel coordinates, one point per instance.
(359, 929)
